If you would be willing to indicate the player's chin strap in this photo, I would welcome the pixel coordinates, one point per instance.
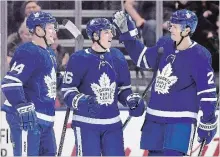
(44, 37)
(182, 37)
(98, 41)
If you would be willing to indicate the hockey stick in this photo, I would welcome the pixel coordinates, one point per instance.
(160, 53)
(63, 134)
(79, 39)
(24, 143)
(201, 147)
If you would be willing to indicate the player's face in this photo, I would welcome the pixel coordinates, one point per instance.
(50, 33)
(55, 44)
(175, 30)
(106, 38)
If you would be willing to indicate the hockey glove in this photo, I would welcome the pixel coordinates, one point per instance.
(28, 117)
(207, 129)
(136, 105)
(126, 26)
(87, 103)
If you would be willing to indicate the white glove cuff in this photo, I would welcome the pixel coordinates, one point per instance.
(133, 32)
(25, 109)
(207, 127)
(75, 100)
(133, 95)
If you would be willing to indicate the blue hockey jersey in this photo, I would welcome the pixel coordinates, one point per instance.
(102, 75)
(32, 78)
(184, 81)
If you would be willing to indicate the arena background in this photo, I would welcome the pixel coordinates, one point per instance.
(80, 12)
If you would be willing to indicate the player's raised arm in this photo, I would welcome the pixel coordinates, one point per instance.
(143, 56)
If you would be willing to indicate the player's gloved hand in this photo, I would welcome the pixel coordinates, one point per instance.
(136, 105)
(27, 114)
(207, 129)
(125, 25)
(88, 103)
(93, 107)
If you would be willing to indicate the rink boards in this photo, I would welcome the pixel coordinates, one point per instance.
(131, 137)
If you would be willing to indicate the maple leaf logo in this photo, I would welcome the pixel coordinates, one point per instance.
(104, 91)
(51, 84)
(188, 15)
(36, 14)
(164, 80)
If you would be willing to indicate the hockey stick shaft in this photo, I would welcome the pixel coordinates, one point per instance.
(78, 45)
(201, 147)
(24, 143)
(160, 53)
(63, 134)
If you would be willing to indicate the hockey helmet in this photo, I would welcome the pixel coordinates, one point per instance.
(40, 19)
(96, 25)
(185, 18)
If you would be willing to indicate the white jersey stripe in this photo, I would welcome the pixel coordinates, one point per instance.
(207, 91)
(145, 62)
(71, 88)
(141, 56)
(96, 120)
(7, 103)
(45, 117)
(193, 44)
(87, 51)
(172, 114)
(13, 78)
(208, 99)
(123, 88)
(11, 85)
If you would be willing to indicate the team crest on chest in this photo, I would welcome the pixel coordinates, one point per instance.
(50, 81)
(165, 80)
(104, 91)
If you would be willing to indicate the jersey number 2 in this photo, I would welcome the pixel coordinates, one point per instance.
(210, 75)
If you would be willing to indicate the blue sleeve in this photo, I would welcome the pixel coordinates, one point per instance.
(72, 79)
(22, 66)
(142, 56)
(124, 82)
(203, 75)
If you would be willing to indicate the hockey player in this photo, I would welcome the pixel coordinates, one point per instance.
(95, 80)
(183, 85)
(30, 89)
